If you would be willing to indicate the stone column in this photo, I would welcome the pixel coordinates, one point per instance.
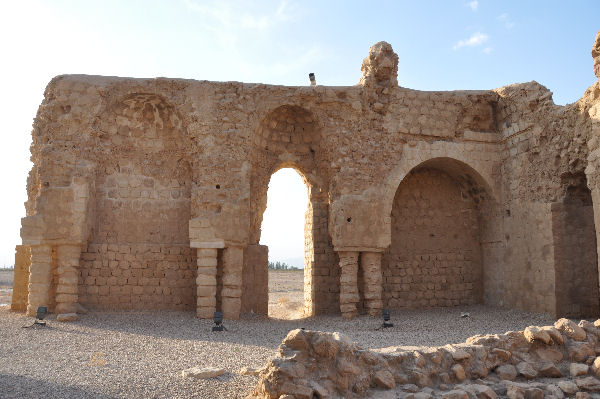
(231, 294)
(370, 263)
(67, 259)
(39, 278)
(348, 283)
(206, 283)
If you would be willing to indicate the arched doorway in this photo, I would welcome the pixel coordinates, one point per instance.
(289, 136)
(283, 232)
(440, 217)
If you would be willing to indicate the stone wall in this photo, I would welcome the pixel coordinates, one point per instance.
(21, 278)
(435, 257)
(138, 276)
(255, 286)
(172, 163)
(539, 362)
(529, 258)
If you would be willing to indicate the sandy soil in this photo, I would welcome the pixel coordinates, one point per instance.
(286, 294)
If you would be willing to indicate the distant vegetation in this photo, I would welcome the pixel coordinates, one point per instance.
(281, 266)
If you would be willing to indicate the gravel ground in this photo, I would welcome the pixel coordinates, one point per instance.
(141, 354)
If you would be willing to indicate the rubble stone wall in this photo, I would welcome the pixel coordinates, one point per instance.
(546, 361)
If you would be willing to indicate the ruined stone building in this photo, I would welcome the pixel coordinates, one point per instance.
(149, 194)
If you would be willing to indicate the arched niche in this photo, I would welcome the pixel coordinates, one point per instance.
(445, 233)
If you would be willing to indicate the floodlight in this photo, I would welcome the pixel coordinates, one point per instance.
(41, 313)
(313, 81)
(218, 319)
(385, 314)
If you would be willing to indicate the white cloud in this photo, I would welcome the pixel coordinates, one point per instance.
(504, 18)
(473, 4)
(239, 16)
(487, 50)
(476, 39)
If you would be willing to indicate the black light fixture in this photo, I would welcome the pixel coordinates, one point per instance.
(39, 317)
(313, 81)
(385, 313)
(41, 313)
(218, 319)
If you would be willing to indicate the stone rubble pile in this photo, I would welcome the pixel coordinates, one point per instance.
(540, 362)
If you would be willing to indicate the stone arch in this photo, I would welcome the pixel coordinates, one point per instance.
(142, 197)
(444, 245)
(444, 154)
(290, 136)
(146, 121)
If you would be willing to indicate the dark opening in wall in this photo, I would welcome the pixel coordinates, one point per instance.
(575, 253)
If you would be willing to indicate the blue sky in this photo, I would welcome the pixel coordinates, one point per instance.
(442, 45)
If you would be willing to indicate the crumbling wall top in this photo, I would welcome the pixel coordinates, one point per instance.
(596, 55)
(380, 67)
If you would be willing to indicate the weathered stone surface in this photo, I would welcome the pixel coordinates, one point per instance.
(549, 369)
(506, 372)
(596, 366)
(384, 379)
(555, 391)
(482, 391)
(550, 354)
(568, 387)
(455, 394)
(579, 351)
(459, 372)
(570, 329)
(533, 333)
(596, 55)
(588, 384)
(578, 369)
(515, 392)
(534, 393)
(202, 372)
(526, 370)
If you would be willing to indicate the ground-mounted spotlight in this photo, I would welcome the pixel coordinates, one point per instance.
(313, 81)
(39, 317)
(385, 314)
(218, 319)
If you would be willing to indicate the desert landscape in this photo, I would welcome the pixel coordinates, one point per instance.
(6, 284)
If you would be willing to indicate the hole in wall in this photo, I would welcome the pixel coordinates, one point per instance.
(349, 220)
(218, 186)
